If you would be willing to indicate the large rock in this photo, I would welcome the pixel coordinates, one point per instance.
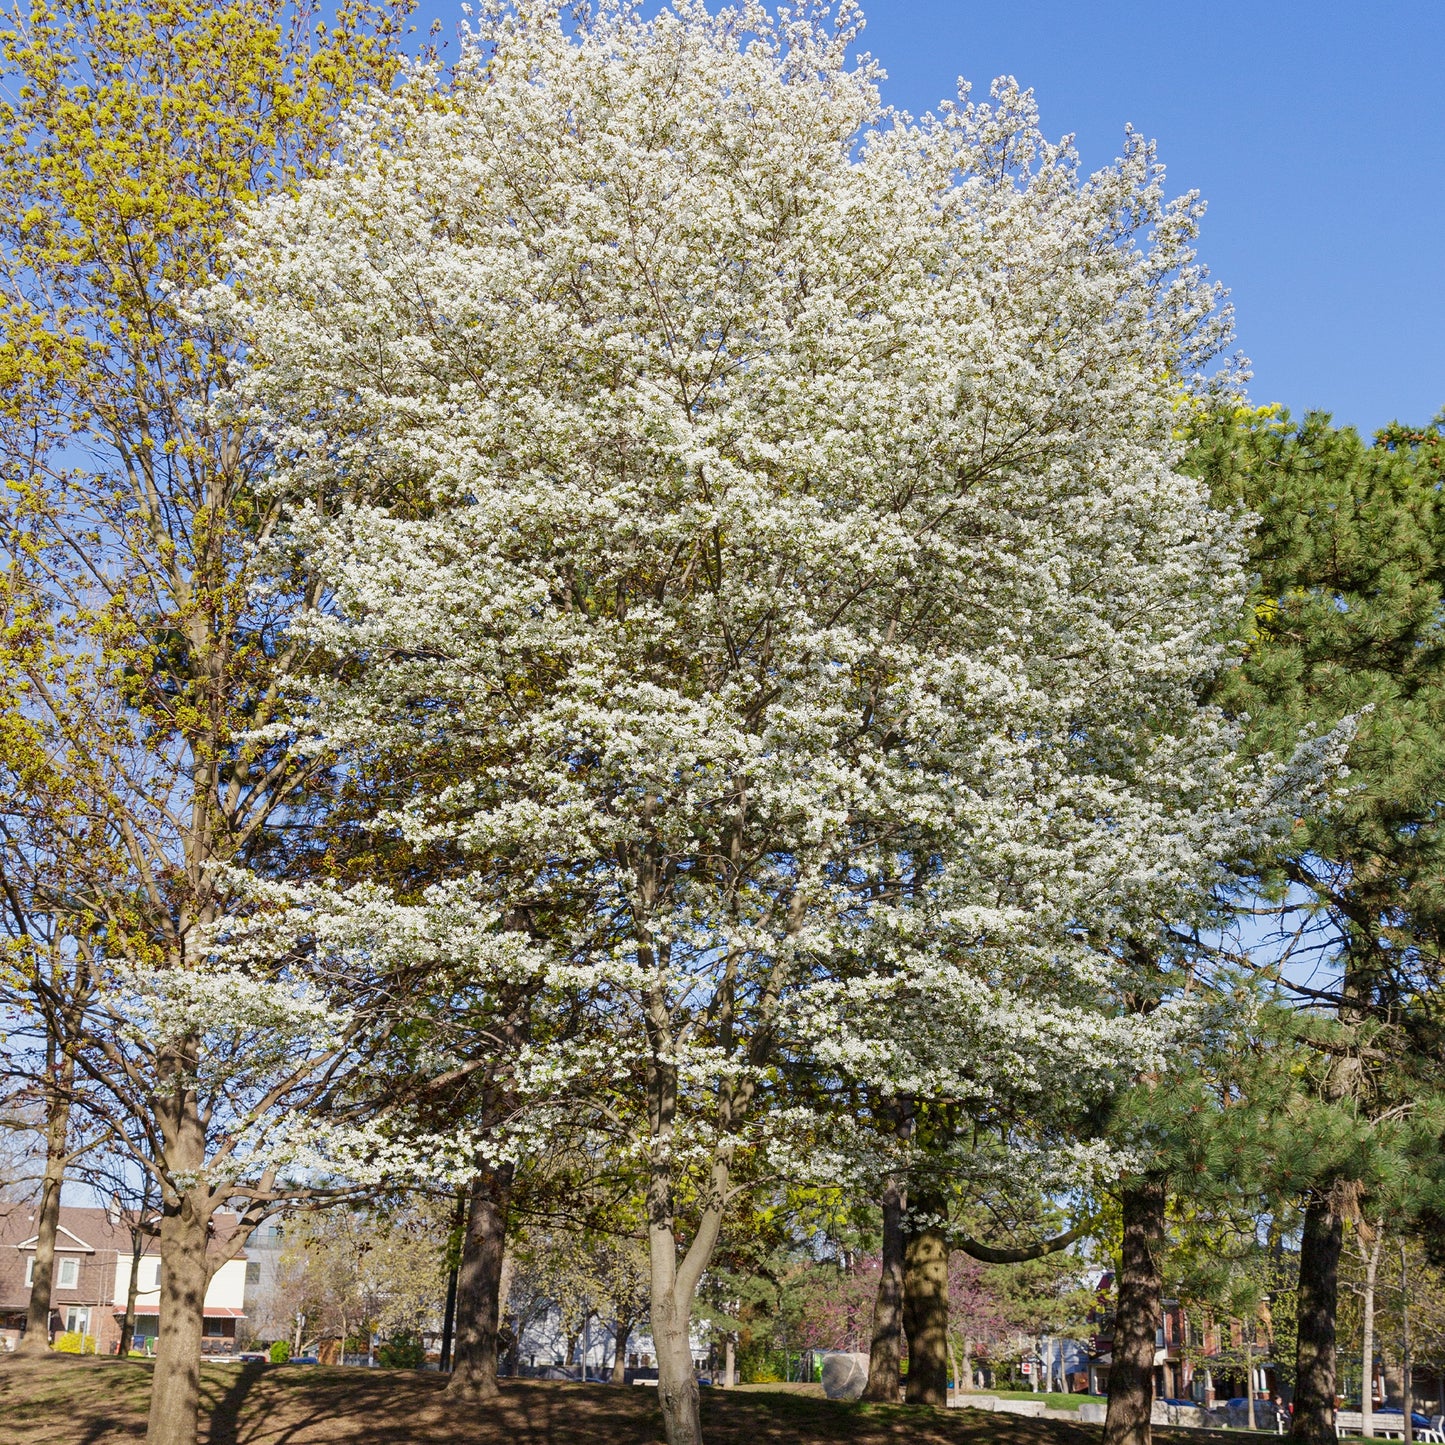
(844, 1376)
(1164, 1413)
(1035, 1408)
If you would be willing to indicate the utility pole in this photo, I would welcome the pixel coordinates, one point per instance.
(1405, 1330)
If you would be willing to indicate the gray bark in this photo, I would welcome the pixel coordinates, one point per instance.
(885, 1352)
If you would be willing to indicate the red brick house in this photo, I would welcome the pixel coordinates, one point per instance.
(92, 1278)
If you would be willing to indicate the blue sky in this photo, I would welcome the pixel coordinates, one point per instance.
(1316, 131)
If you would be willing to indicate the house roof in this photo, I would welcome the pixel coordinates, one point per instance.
(64, 1240)
(88, 1230)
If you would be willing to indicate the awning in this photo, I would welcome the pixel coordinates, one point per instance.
(210, 1312)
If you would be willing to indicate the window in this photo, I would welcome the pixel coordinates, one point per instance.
(65, 1276)
(215, 1327)
(77, 1320)
(253, 1271)
(148, 1277)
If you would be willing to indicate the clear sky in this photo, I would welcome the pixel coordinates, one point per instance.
(1314, 128)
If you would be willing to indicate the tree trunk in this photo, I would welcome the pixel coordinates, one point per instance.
(513, 1358)
(925, 1302)
(185, 1273)
(885, 1351)
(449, 1321)
(676, 1380)
(1249, 1373)
(674, 1280)
(479, 1280)
(454, 1250)
(1137, 1317)
(621, 1333)
(1319, 1281)
(1406, 1402)
(36, 1339)
(127, 1327)
(1367, 1348)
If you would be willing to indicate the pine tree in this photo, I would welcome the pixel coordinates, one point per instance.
(1350, 577)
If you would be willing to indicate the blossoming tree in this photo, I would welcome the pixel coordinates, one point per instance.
(772, 496)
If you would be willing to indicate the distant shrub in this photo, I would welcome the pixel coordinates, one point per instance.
(72, 1342)
(403, 1351)
(759, 1365)
(279, 1352)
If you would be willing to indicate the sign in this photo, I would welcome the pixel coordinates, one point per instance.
(1027, 1368)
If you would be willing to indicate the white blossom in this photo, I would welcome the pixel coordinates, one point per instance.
(769, 503)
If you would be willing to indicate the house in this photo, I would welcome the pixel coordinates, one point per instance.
(93, 1251)
(1203, 1364)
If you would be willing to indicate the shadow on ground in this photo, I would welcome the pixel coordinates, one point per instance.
(63, 1400)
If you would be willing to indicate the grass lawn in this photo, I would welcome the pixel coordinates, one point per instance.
(70, 1400)
(1054, 1400)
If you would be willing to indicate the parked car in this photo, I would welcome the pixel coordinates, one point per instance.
(253, 1357)
(304, 1360)
(1419, 1421)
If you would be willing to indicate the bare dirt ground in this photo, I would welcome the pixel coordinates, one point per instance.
(64, 1400)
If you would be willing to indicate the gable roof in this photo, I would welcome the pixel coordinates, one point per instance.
(76, 1245)
(94, 1230)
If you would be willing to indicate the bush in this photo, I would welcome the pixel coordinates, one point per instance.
(279, 1352)
(758, 1364)
(72, 1342)
(403, 1351)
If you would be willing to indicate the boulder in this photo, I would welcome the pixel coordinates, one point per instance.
(844, 1376)
(1034, 1408)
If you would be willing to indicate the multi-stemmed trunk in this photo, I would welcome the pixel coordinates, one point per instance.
(36, 1340)
(885, 1350)
(671, 1321)
(1318, 1300)
(925, 1299)
(1137, 1316)
(675, 1276)
(674, 1280)
(479, 1283)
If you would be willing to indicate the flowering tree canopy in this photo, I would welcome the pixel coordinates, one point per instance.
(767, 501)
